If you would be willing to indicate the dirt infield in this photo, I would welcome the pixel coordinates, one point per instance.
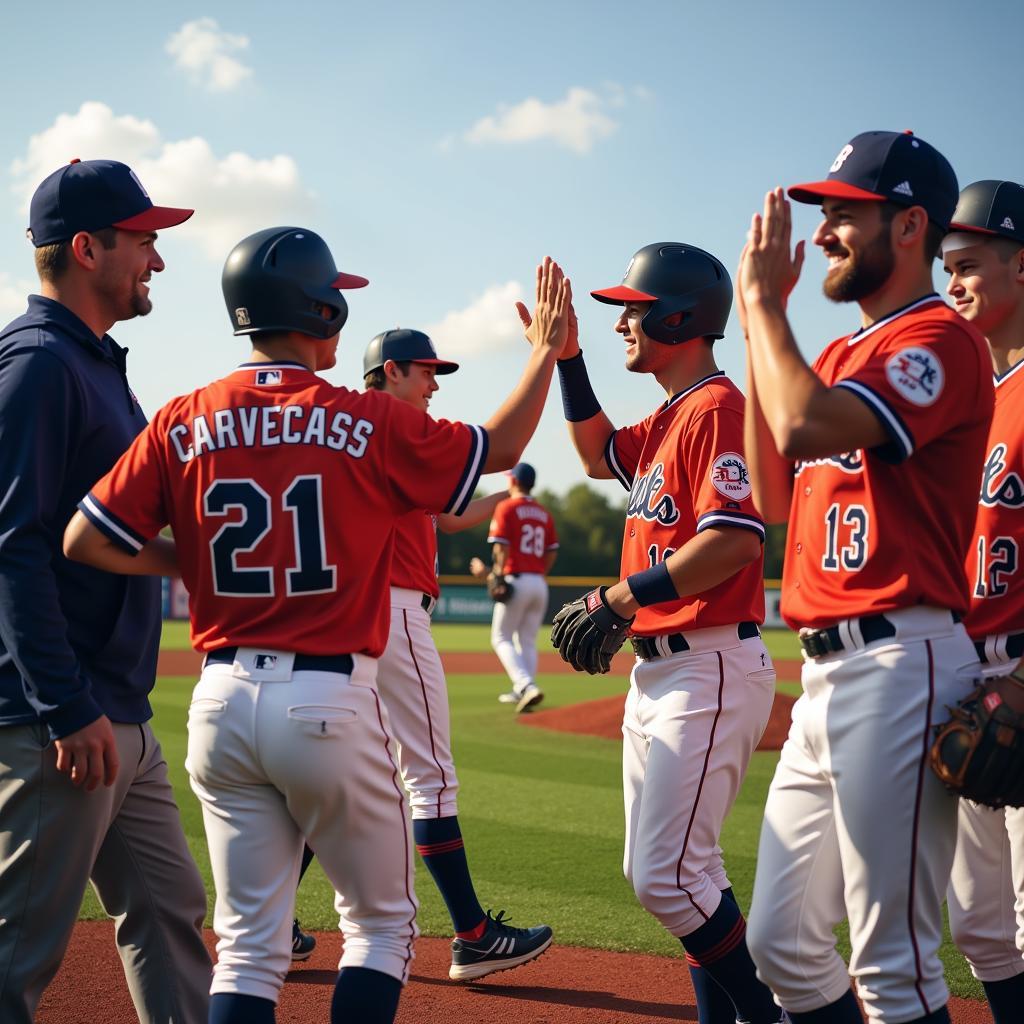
(565, 986)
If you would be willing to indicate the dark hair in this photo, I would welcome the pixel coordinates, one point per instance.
(377, 379)
(933, 233)
(52, 260)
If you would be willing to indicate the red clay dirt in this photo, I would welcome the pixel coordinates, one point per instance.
(565, 986)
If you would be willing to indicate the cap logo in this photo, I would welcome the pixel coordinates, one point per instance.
(1008, 224)
(840, 158)
(135, 178)
(242, 317)
(904, 189)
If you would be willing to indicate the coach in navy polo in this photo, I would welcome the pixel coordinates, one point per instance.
(84, 791)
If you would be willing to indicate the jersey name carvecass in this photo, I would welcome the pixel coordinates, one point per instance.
(888, 528)
(685, 472)
(265, 426)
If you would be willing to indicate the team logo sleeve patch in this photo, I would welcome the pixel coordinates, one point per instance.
(916, 374)
(729, 476)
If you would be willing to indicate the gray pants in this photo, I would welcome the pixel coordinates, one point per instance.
(128, 840)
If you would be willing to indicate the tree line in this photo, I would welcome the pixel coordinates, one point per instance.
(590, 531)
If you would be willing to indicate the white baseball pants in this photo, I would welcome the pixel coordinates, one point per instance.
(411, 682)
(857, 825)
(514, 627)
(275, 755)
(691, 723)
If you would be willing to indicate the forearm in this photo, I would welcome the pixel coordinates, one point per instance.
(771, 476)
(512, 426)
(590, 437)
(479, 510)
(787, 388)
(589, 426)
(703, 562)
(84, 543)
(549, 561)
(498, 557)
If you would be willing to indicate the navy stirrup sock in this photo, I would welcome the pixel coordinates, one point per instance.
(843, 1011)
(1005, 998)
(439, 843)
(713, 1003)
(720, 947)
(363, 996)
(233, 1008)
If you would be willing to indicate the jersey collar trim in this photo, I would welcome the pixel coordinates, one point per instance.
(895, 315)
(283, 364)
(1003, 378)
(693, 387)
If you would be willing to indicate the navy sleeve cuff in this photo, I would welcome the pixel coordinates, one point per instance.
(901, 445)
(116, 530)
(74, 715)
(463, 493)
(728, 517)
(614, 465)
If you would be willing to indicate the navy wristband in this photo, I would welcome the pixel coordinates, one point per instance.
(578, 399)
(653, 586)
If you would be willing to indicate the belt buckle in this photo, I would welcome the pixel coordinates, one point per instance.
(643, 648)
(817, 643)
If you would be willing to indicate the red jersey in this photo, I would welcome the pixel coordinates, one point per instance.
(689, 454)
(529, 531)
(414, 562)
(993, 559)
(874, 531)
(283, 492)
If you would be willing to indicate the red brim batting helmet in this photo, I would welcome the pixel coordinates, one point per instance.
(689, 290)
(280, 279)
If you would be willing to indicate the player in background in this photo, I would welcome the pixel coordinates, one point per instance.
(283, 492)
(873, 455)
(984, 257)
(410, 677)
(702, 687)
(524, 548)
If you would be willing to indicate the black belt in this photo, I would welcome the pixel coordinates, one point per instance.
(1014, 647)
(822, 642)
(340, 663)
(646, 647)
(427, 603)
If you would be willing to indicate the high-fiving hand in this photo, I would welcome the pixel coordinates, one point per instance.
(767, 271)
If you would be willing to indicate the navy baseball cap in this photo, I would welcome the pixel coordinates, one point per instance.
(524, 474)
(87, 195)
(893, 166)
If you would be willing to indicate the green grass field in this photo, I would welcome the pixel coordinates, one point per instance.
(541, 813)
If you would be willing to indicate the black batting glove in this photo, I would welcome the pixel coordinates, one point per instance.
(587, 633)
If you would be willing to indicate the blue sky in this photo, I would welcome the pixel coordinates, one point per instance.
(443, 148)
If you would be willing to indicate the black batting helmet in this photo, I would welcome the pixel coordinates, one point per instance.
(687, 287)
(404, 345)
(991, 208)
(276, 280)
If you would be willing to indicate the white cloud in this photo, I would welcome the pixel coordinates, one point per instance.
(575, 122)
(233, 195)
(204, 51)
(13, 293)
(488, 323)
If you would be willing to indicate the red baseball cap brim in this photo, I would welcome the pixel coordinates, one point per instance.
(971, 229)
(349, 281)
(621, 294)
(441, 366)
(815, 191)
(156, 218)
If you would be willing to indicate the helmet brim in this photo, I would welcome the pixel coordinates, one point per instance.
(621, 294)
(441, 366)
(349, 281)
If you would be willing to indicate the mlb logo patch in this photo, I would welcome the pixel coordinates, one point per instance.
(266, 662)
(266, 377)
(916, 374)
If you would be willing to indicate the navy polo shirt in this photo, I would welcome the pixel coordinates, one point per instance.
(75, 642)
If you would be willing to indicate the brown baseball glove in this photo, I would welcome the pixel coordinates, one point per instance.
(979, 752)
(499, 588)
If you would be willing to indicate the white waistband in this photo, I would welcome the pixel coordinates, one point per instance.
(403, 597)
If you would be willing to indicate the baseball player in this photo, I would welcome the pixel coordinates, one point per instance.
(524, 548)
(692, 595)
(872, 455)
(283, 492)
(984, 257)
(410, 678)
